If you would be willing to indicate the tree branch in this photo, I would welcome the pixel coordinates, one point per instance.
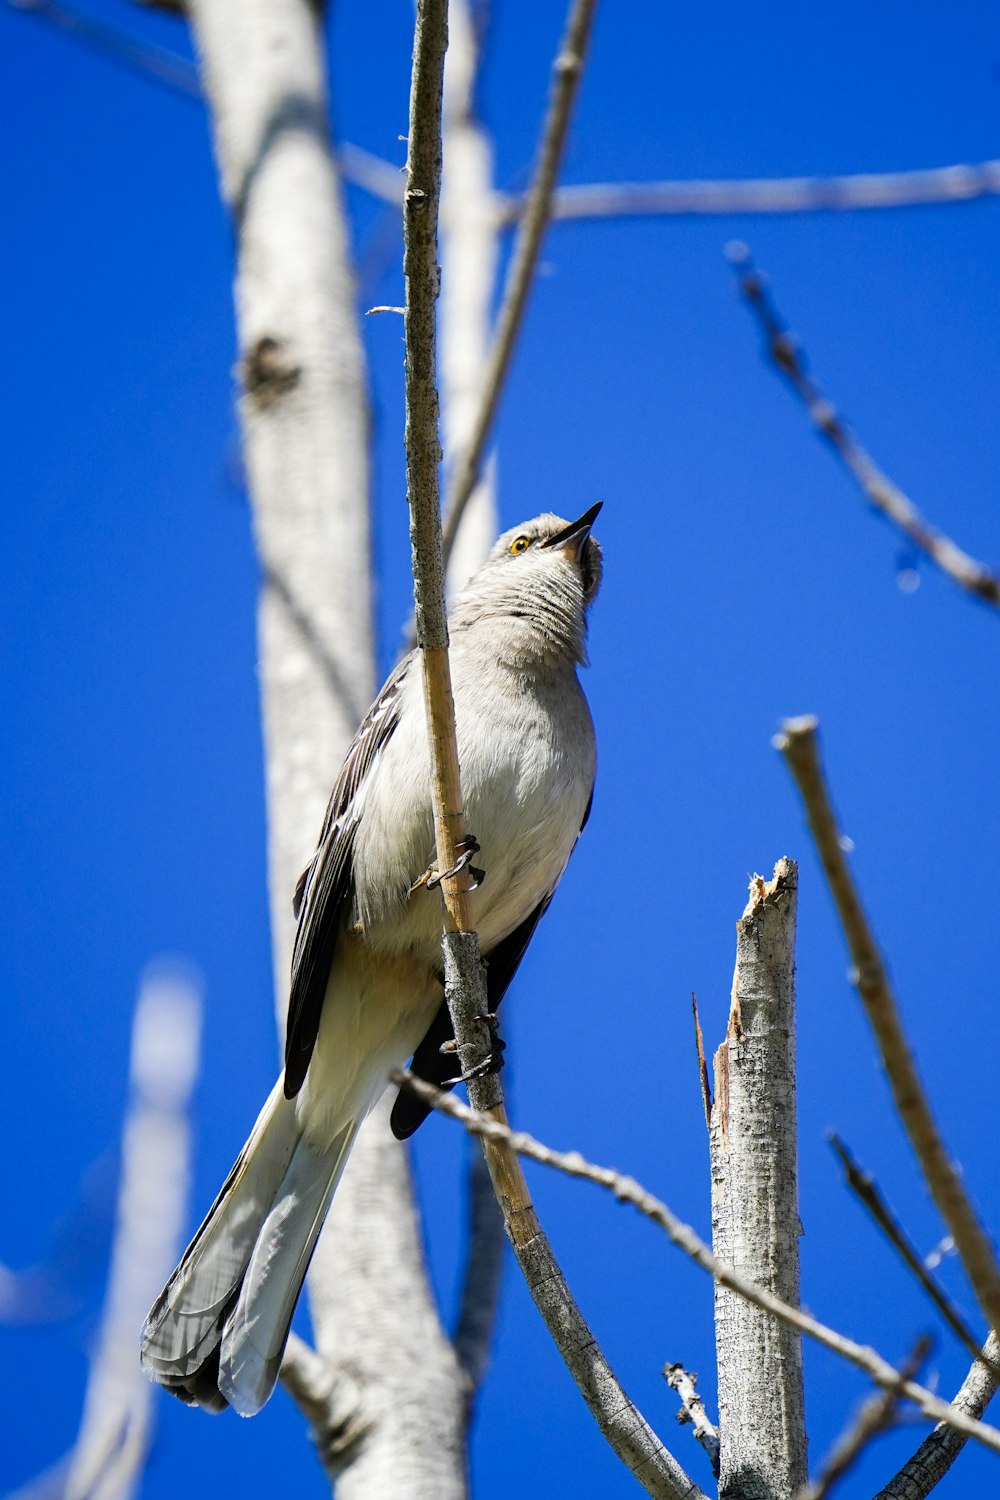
(693, 1410)
(567, 70)
(305, 427)
(469, 253)
(115, 1429)
(887, 498)
(770, 195)
(628, 1433)
(867, 1191)
(755, 1210)
(939, 1450)
(876, 1416)
(798, 743)
(159, 64)
(627, 1190)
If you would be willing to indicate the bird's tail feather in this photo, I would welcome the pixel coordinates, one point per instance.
(257, 1331)
(218, 1328)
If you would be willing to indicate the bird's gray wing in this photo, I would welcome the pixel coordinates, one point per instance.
(437, 1067)
(325, 891)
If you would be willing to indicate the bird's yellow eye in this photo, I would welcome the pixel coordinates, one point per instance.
(519, 544)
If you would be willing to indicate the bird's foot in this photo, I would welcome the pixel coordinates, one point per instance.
(491, 1063)
(465, 848)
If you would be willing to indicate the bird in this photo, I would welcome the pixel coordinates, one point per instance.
(366, 987)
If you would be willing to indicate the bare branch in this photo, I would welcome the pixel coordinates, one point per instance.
(159, 64)
(627, 1190)
(331, 1400)
(798, 743)
(699, 1042)
(365, 170)
(887, 498)
(627, 1432)
(693, 1410)
(770, 195)
(305, 424)
(469, 254)
(115, 1430)
(939, 1450)
(567, 70)
(866, 1189)
(876, 1416)
(755, 1209)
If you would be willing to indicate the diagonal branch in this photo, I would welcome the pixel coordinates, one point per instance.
(799, 745)
(867, 1191)
(627, 1190)
(627, 1432)
(567, 70)
(887, 498)
(876, 1416)
(158, 63)
(939, 1450)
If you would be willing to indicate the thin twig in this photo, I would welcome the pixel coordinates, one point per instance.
(771, 195)
(866, 1189)
(888, 499)
(798, 742)
(703, 1079)
(627, 1190)
(158, 63)
(940, 1448)
(626, 1430)
(692, 1410)
(876, 1416)
(963, 183)
(567, 70)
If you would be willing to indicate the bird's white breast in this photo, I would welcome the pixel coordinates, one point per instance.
(527, 762)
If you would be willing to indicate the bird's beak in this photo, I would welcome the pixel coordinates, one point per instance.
(574, 537)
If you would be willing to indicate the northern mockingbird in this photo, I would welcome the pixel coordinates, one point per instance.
(366, 983)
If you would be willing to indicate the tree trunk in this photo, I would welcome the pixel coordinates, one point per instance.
(305, 427)
(755, 1219)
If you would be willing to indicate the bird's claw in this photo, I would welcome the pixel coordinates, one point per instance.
(466, 848)
(491, 1063)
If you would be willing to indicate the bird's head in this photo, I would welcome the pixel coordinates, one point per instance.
(541, 577)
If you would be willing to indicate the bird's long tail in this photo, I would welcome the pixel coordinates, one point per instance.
(216, 1333)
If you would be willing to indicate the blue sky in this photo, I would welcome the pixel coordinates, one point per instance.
(744, 581)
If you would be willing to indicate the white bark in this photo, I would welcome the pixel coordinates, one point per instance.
(115, 1430)
(305, 428)
(468, 263)
(755, 1222)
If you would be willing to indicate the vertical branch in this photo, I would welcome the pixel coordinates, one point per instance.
(469, 246)
(755, 1219)
(305, 428)
(624, 1427)
(304, 411)
(566, 73)
(110, 1451)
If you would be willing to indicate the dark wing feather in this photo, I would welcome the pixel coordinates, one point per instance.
(429, 1062)
(324, 893)
(439, 1068)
